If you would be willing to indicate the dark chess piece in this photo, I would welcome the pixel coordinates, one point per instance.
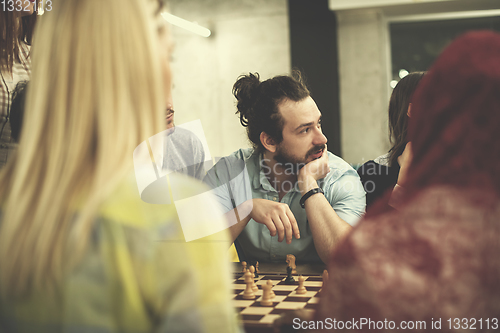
(289, 278)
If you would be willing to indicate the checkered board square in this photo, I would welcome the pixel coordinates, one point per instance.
(252, 313)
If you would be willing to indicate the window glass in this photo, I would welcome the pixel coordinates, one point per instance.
(415, 45)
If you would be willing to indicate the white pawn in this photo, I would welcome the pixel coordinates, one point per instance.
(290, 260)
(248, 293)
(266, 296)
(244, 266)
(301, 289)
(270, 284)
(254, 286)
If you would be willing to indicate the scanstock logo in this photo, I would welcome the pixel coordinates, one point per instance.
(202, 210)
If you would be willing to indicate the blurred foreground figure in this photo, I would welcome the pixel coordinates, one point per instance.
(436, 259)
(79, 250)
(16, 29)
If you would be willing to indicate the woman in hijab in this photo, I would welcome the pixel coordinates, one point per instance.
(434, 263)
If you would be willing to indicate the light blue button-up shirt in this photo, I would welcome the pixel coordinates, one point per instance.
(244, 176)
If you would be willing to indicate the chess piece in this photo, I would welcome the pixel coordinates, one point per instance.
(266, 296)
(244, 265)
(256, 269)
(253, 263)
(301, 289)
(248, 293)
(254, 286)
(290, 260)
(289, 278)
(271, 291)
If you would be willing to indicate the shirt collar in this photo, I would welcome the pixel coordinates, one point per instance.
(262, 180)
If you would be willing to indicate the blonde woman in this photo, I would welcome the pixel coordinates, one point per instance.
(79, 250)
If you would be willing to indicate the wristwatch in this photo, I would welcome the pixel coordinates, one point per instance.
(308, 194)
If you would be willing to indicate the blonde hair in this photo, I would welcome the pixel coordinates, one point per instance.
(96, 93)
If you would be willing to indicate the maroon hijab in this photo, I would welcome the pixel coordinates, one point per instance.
(456, 128)
(438, 258)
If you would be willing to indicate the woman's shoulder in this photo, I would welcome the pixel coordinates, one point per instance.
(125, 205)
(439, 207)
(378, 167)
(443, 239)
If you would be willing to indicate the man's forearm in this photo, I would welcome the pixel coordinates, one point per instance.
(327, 228)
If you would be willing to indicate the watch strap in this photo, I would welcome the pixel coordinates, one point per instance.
(308, 194)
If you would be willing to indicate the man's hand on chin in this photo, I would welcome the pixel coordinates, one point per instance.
(313, 171)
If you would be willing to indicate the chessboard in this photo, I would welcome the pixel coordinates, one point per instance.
(258, 318)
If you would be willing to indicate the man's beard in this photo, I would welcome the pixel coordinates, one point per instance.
(290, 163)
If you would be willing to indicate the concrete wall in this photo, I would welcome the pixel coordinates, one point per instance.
(363, 84)
(247, 36)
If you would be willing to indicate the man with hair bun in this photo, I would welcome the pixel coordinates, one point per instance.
(288, 186)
